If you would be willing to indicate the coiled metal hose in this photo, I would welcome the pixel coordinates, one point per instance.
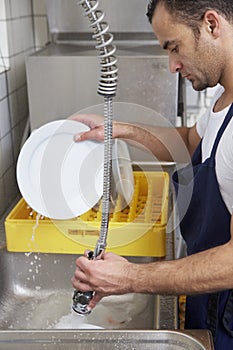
(108, 74)
(107, 88)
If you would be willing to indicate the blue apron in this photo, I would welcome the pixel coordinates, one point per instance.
(206, 224)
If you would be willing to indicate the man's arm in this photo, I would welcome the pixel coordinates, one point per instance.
(166, 143)
(208, 271)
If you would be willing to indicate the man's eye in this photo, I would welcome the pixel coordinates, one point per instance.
(175, 49)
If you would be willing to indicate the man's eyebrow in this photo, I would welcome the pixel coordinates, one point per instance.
(168, 43)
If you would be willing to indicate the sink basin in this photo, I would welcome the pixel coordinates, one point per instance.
(36, 294)
(35, 311)
(104, 340)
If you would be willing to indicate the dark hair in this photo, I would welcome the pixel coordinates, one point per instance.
(191, 12)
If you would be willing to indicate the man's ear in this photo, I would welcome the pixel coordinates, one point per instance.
(212, 21)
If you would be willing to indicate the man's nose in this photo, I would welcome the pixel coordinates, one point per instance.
(174, 65)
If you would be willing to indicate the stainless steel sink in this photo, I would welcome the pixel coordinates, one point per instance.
(35, 312)
(36, 294)
(104, 340)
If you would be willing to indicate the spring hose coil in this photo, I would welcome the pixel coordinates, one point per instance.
(108, 76)
(102, 241)
(107, 88)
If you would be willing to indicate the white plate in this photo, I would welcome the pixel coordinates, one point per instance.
(122, 170)
(57, 177)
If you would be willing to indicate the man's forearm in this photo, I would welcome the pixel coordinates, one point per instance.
(166, 143)
(205, 272)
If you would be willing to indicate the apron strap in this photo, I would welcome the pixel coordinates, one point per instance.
(221, 130)
(212, 318)
(228, 314)
(213, 312)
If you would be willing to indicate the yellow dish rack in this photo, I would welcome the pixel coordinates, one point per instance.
(139, 229)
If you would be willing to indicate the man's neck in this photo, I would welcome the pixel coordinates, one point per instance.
(225, 100)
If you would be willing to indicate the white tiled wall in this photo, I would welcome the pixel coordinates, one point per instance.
(23, 29)
(41, 30)
(3, 30)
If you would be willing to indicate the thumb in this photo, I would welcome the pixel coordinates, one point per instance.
(94, 301)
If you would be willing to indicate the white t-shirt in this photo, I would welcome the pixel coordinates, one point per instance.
(207, 127)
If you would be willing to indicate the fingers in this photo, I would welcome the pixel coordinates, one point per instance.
(83, 275)
(104, 276)
(82, 268)
(79, 285)
(94, 122)
(80, 136)
(96, 134)
(80, 281)
(89, 254)
(95, 300)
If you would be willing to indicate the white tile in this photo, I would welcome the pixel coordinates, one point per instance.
(10, 185)
(7, 153)
(8, 8)
(22, 35)
(4, 63)
(17, 37)
(25, 8)
(22, 102)
(2, 9)
(20, 70)
(3, 90)
(9, 28)
(18, 101)
(21, 8)
(17, 136)
(39, 7)
(4, 39)
(3, 201)
(18, 133)
(27, 33)
(11, 76)
(15, 8)
(41, 31)
(14, 114)
(5, 124)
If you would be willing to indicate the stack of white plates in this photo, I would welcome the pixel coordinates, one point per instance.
(62, 179)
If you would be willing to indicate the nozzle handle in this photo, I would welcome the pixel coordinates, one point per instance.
(81, 300)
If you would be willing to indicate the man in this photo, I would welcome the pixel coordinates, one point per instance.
(198, 36)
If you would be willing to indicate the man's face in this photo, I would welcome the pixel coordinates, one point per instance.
(195, 59)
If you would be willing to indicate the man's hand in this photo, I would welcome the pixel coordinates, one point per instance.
(95, 123)
(105, 276)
